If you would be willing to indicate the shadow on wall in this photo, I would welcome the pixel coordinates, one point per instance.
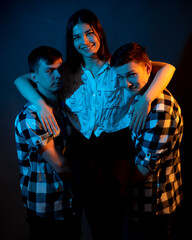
(181, 87)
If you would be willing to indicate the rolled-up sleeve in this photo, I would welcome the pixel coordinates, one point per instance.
(32, 130)
(156, 140)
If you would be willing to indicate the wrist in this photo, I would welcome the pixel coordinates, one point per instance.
(147, 98)
(40, 102)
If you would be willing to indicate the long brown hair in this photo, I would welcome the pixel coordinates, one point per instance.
(73, 58)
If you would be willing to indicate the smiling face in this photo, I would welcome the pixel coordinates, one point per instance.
(86, 40)
(48, 78)
(134, 76)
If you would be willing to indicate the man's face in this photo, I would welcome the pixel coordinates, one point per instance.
(134, 76)
(48, 78)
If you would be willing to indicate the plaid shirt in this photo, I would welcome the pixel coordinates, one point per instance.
(43, 191)
(157, 148)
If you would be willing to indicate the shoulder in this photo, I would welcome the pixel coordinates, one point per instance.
(27, 117)
(166, 103)
(27, 111)
(110, 69)
(29, 129)
(109, 76)
(165, 114)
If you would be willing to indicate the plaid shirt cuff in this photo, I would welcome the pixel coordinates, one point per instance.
(149, 160)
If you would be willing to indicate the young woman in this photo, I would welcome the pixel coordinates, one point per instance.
(94, 101)
(90, 81)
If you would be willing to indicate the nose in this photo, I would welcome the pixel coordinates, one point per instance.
(85, 39)
(57, 74)
(130, 85)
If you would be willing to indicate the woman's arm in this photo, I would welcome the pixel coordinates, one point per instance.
(163, 75)
(164, 72)
(45, 112)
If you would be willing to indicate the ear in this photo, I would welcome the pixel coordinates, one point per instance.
(34, 77)
(149, 67)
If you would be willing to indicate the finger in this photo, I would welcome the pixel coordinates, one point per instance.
(136, 122)
(137, 126)
(48, 126)
(144, 122)
(42, 121)
(43, 124)
(132, 121)
(140, 124)
(54, 126)
(131, 110)
(51, 126)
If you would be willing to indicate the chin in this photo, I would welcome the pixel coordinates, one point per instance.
(90, 54)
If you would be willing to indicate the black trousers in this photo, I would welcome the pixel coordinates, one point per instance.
(99, 188)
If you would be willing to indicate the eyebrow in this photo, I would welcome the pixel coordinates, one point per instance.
(49, 68)
(127, 74)
(119, 75)
(130, 72)
(75, 35)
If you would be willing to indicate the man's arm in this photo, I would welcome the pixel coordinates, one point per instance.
(30, 128)
(51, 155)
(156, 140)
(139, 174)
(57, 161)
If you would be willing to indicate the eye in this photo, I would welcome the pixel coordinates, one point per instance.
(118, 77)
(90, 33)
(75, 38)
(50, 70)
(132, 75)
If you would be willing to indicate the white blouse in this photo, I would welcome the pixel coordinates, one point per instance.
(96, 104)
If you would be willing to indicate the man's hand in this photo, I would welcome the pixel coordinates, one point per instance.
(57, 161)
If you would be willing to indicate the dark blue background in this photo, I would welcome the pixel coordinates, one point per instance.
(165, 27)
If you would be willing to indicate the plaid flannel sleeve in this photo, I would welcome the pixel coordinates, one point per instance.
(31, 129)
(158, 138)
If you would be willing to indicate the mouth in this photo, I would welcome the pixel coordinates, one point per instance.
(87, 48)
(59, 84)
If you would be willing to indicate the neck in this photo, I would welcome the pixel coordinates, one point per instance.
(145, 88)
(52, 97)
(91, 61)
(93, 64)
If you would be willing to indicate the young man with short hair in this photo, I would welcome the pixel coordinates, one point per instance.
(156, 192)
(45, 175)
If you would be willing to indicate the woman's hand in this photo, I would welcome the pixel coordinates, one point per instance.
(139, 112)
(47, 118)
